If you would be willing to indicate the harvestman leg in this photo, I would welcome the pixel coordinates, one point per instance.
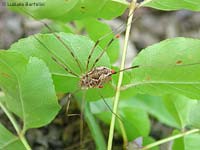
(106, 47)
(83, 101)
(68, 101)
(123, 120)
(67, 106)
(101, 54)
(63, 66)
(98, 41)
(58, 38)
(56, 60)
(118, 31)
(78, 63)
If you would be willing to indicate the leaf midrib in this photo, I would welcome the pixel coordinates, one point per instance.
(156, 82)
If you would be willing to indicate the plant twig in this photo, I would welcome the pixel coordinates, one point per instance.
(123, 131)
(11, 118)
(170, 139)
(15, 125)
(116, 100)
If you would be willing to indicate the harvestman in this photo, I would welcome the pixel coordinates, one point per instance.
(95, 77)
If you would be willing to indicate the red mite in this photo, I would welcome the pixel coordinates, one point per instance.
(117, 36)
(96, 78)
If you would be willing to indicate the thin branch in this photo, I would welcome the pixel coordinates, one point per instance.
(170, 139)
(15, 125)
(116, 101)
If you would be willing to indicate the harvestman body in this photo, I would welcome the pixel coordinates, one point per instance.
(99, 76)
(96, 78)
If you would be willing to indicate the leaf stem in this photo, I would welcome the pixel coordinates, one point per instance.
(24, 141)
(170, 139)
(15, 125)
(116, 100)
(123, 131)
(11, 118)
(94, 128)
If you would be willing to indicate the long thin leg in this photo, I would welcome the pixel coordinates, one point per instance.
(101, 54)
(121, 28)
(91, 52)
(122, 119)
(58, 38)
(68, 103)
(129, 68)
(93, 48)
(82, 119)
(97, 42)
(57, 61)
(110, 109)
(72, 54)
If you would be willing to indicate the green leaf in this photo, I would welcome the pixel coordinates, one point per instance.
(178, 144)
(188, 142)
(48, 46)
(192, 142)
(149, 140)
(75, 9)
(179, 107)
(107, 9)
(171, 66)
(194, 115)
(174, 4)
(28, 88)
(113, 9)
(94, 127)
(8, 141)
(132, 117)
(152, 105)
(135, 120)
(92, 26)
(46, 9)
